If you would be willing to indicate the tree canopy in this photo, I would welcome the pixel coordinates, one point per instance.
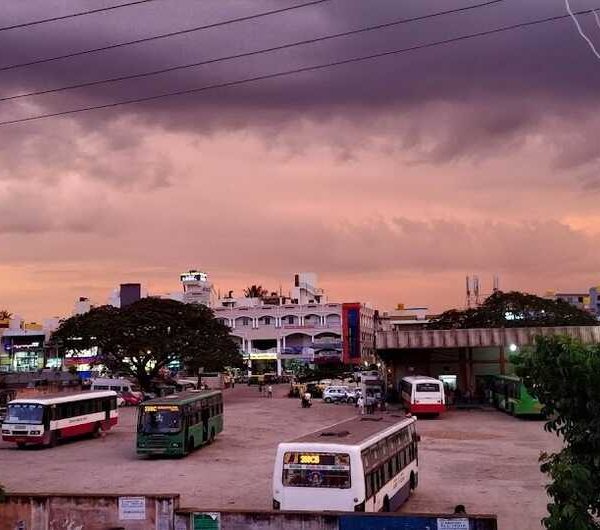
(514, 310)
(143, 338)
(565, 376)
(4, 314)
(255, 291)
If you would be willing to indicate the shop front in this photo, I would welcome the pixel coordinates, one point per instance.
(23, 353)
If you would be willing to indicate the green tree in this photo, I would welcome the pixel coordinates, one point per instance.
(564, 375)
(4, 314)
(142, 339)
(255, 291)
(514, 310)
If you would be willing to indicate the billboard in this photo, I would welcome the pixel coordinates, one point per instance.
(351, 333)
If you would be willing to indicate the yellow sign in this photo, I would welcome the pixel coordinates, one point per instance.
(310, 459)
(159, 408)
(263, 356)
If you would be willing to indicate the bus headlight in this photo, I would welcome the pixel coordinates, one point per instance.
(5, 431)
(175, 444)
(34, 433)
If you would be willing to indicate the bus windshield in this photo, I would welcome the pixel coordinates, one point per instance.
(428, 387)
(25, 413)
(316, 470)
(160, 419)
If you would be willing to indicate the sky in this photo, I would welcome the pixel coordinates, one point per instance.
(391, 178)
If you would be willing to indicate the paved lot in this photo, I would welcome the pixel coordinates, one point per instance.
(484, 460)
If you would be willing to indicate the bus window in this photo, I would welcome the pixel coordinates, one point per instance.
(428, 387)
(316, 470)
(157, 420)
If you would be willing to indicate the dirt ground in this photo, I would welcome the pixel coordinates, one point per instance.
(483, 459)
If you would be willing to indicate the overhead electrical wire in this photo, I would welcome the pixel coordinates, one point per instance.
(294, 71)
(249, 54)
(72, 15)
(163, 35)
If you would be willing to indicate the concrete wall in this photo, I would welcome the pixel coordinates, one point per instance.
(88, 512)
(234, 520)
(161, 512)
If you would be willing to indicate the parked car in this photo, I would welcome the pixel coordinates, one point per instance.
(130, 399)
(341, 394)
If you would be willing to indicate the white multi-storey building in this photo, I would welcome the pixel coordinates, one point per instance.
(273, 331)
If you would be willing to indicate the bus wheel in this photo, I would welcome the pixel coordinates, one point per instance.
(413, 482)
(96, 431)
(21, 445)
(386, 504)
(190, 445)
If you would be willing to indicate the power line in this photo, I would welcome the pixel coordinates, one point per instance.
(162, 35)
(294, 71)
(72, 15)
(249, 54)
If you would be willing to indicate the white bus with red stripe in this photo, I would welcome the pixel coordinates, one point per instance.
(47, 419)
(423, 395)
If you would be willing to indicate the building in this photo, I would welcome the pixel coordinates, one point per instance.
(82, 306)
(579, 300)
(196, 288)
(23, 346)
(278, 330)
(358, 325)
(404, 318)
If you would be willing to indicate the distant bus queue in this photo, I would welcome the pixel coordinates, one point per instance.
(172, 425)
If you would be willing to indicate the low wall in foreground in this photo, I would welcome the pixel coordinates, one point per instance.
(87, 512)
(162, 512)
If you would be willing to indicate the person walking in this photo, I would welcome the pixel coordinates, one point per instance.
(260, 388)
(270, 391)
(361, 405)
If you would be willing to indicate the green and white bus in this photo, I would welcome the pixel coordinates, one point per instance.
(510, 395)
(179, 423)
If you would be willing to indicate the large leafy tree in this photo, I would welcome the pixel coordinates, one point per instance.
(255, 291)
(143, 338)
(4, 314)
(514, 309)
(564, 375)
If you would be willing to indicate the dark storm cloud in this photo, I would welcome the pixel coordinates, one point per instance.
(544, 67)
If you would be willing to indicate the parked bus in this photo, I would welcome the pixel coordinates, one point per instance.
(177, 424)
(369, 463)
(47, 420)
(510, 395)
(423, 395)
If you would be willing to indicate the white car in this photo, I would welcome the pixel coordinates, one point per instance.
(341, 394)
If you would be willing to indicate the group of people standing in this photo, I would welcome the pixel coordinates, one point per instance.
(265, 390)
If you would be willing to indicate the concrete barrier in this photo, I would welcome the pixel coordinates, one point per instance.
(87, 512)
(162, 512)
(192, 519)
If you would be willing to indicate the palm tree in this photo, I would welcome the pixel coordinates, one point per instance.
(255, 291)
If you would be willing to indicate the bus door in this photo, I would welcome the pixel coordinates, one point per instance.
(204, 416)
(106, 410)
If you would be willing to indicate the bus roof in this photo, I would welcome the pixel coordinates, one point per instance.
(182, 398)
(53, 399)
(419, 378)
(357, 430)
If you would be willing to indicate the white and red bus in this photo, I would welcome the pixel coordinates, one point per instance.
(423, 395)
(45, 420)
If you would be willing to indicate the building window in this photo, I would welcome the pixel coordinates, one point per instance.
(245, 321)
(267, 321)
